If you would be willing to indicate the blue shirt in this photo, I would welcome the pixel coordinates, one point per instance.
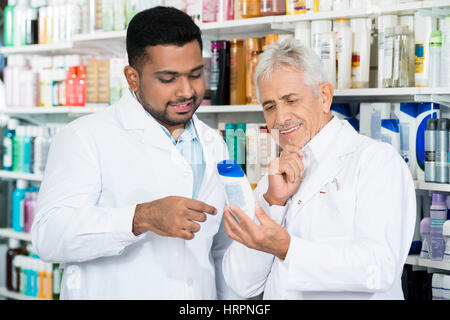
(189, 146)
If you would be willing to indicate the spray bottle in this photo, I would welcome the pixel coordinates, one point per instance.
(425, 235)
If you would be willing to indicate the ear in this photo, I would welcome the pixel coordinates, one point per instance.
(325, 96)
(132, 77)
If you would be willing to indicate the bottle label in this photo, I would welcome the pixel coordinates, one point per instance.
(419, 59)
(56, 281)
(388, 55)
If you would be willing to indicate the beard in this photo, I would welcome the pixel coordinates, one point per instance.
(163, 116)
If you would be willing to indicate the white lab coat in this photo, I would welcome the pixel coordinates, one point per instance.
(351, 224)
(99, 168)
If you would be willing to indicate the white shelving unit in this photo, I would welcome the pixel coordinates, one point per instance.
(115, 42)
(11, 234)
(14, 295)
(415, 260)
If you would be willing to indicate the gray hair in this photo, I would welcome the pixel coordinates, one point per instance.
(291, 53)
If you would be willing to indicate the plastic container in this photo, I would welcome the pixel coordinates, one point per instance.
(435, 45)
(302, 33)
(361, 52)
(220, 73)
(430, 150)
(443, 127)
(250, 8)
(20, 16)
(407, 115)
(8, 24)
(30, 206)
(422, 32)
(251, 44)
(390, 132)
(425, 110)
(438, 215)
(436, 286)
(253, 64)
(237, 70)
(225, 10)
(18, 212)
(446, 234)
(295, 6)
(8, 143)
(445, 53)
(210, 10)
(236, 186)
(344, 53)
(273, 7)
(425, 235)
(384, 22)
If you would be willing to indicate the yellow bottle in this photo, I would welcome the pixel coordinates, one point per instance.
(48, 281)
(41, 280)
(295, 6)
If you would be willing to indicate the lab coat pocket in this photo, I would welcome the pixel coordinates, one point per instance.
(333, 214)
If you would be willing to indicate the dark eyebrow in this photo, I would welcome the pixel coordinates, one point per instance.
(287, 96)
(174, 73)
(267, 102)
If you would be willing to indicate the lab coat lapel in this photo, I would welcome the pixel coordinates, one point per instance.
(141, 125)
(329, 167)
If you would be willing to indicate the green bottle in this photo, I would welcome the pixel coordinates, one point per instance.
(8, 23)
(56, 282)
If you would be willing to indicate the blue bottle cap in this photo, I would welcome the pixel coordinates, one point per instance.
(230, 168)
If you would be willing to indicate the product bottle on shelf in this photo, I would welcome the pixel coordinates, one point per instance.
(344, 53)
(250, 8)
(8, 144)
(253, 63)
(71, 86)
(14, 249)
(32, 26)
(273, 7)
(20, 16)
(225, 10)
(42, 25)
(56, 282)
(237, 70)
(18, 214)
(80, 87)
(251, 44)
(30, 205)
(435, 45)
(438, 215)
(445, 53)
(220, 73)
(8, 24)
(18, 149)
(361, 52)
(295, 6)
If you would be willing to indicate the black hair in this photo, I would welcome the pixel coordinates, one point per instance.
(159, 26)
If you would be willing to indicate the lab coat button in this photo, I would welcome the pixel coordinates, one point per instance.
(299, 202)
(190, 282)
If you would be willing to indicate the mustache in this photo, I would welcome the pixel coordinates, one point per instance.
(288, 124)
(183, 100)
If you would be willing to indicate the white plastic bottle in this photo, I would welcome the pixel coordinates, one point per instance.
(344, 53)
(425, 235)
(435, 59)
(445, 53)
(423, 26)
(20, 16)
(8, 75)
(236, 186)
(384, 22)
(361, 52)
(436, 286)
(446, 234)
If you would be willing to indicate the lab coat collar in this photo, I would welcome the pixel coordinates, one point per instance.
(338, 142)
(320, 143)
(134, 117)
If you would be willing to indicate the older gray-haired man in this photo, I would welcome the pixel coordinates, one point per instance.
(337, 211)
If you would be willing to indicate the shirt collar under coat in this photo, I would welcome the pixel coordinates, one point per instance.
(133, 116)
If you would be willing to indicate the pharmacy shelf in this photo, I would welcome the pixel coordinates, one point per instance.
(230, 108)
(252, 26)
(440, 187)
(14, 295)
(92, 108)
(20, 176)
(11, 234)
(415, 260)
(38, 48)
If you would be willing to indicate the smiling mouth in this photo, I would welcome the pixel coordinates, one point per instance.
(290, 131)
(182, 107)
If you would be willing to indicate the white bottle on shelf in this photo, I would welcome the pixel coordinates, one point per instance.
(435, 44)
(20, 16)
(384, 22)
(344, 53)
(445, 53)
(423, 26)
(361, 52)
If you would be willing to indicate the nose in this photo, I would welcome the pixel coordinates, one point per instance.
(282, 116)
(184, 89)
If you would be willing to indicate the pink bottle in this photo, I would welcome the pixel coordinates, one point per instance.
(225, 10)
(209, 10)
(30, 205)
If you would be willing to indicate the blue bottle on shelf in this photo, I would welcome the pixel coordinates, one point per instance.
(18, 206)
